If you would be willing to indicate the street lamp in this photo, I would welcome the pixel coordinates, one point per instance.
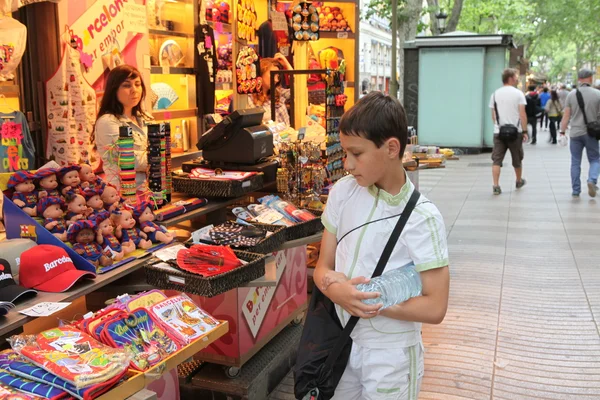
(441, 17)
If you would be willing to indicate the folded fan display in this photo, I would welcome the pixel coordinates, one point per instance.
(207, 260)
(237, 235)
(273, 211)
(72, 355)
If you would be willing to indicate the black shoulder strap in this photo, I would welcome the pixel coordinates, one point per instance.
(385, 256)
(496, 109)
(581, 104)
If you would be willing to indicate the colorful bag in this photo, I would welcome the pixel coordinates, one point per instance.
(72, 355)
(180, 315)
(140, 335)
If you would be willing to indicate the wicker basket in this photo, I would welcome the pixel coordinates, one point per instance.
(207, 188)
(305, 229)
(212, 286)
(271, 243)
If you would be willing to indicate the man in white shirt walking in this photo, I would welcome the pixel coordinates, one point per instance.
(510, 105)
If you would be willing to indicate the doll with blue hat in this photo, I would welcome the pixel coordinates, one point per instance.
(94, 200)
(24, 195)
(82, 235)
(105, 235)
(144, 215)
(130, 235)
(47, 182)
(51, 208)
(69, 179)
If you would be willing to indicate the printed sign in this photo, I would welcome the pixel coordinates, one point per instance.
(12, 137)
(257, 301)
(136, 17)
(99, 31)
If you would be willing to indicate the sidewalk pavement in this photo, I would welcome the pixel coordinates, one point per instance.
(524, 308)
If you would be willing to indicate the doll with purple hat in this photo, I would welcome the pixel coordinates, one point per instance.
(51, 208)
(105, 235)
(47, 182)
(93, 200)
(144, 215)
(24, 195)
(69, 179)
(82, 236)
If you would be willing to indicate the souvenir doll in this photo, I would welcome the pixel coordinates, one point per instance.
(69, 179)
(77, 208)
(83, 238)
(89, 179)
(128, 231)
(105, 235)
(47, 182)
(110, 197)
(24, 196)
(51, 209)
(145, 217)
(93, 200)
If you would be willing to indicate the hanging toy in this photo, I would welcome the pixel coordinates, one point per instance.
(13, 38)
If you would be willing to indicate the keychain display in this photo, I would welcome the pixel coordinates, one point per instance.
(247, 72)
(305, 22)
(247, 20)
(302, 174)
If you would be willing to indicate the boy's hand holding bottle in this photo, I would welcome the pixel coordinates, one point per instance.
(343, 292)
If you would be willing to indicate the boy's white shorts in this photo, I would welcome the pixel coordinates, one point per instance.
(374, 374)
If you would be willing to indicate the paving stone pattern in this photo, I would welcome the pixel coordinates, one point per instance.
(524, 308)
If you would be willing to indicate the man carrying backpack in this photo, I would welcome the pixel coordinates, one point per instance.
(508, 113)
(533, 109)
(582, 110)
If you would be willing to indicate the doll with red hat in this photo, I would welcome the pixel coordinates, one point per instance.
(105, 235)
(127, 231)
(144, 215)
(47, 182)
(89, 179)
(69, 179)
(52, 209)
(83, 237)
(93, 200)
(24, 194)
(77, 208)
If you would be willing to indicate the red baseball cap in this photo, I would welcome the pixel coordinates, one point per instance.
(49, 269)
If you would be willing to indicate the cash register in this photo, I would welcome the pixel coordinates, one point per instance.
(238, 143)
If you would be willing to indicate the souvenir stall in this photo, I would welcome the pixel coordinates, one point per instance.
(210, 261)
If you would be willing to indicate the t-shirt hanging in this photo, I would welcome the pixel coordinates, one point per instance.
(17, 150)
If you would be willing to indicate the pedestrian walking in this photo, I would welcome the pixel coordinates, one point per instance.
(562, 94)
(508, 113)
(544, 97)
(554, 111)
(579, 117)
(533, 109)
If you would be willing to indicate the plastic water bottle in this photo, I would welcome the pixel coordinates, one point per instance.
(395, 286)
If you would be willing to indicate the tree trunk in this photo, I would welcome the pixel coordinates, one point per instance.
(455, 16)
(407, 32)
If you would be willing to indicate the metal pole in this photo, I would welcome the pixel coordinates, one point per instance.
(394, 80)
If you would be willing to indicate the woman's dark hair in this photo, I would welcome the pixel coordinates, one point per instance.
(110, 104)
(377, 117)
(553, 95)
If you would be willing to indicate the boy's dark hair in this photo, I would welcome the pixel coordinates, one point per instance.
(508, 73)
(531, 88)
(545, 90)
(377, 117)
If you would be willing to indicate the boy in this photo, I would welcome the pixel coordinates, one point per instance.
(386, 361)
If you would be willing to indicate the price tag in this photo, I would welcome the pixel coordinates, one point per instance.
(342, 35)
(166, 70)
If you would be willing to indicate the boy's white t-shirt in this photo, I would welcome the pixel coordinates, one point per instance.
(508, 99)
(423, 242)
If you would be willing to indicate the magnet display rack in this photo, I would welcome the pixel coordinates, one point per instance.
(175, 22)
